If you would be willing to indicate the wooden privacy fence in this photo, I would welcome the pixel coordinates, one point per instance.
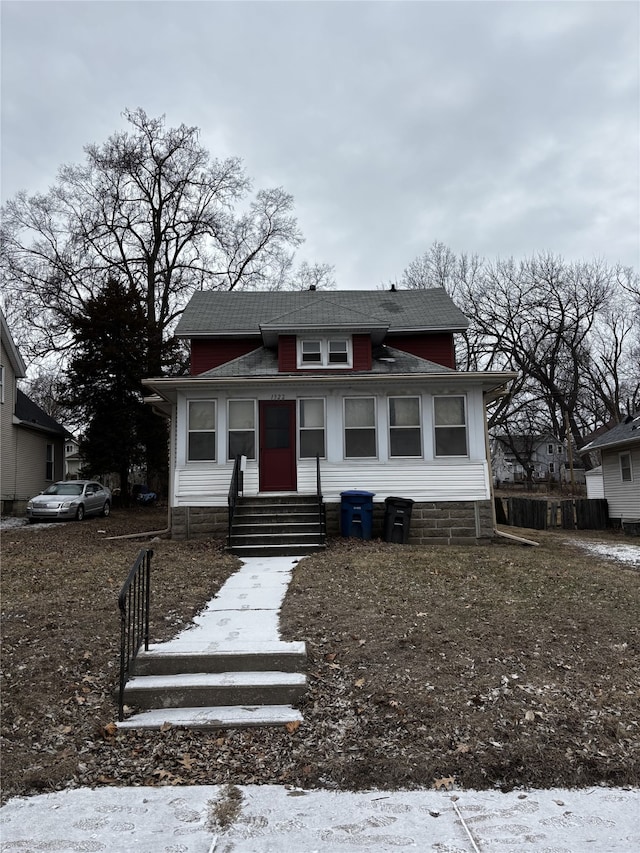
(568, 514)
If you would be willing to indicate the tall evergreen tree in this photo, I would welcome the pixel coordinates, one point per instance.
(105, 388)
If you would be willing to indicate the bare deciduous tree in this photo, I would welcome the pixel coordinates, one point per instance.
(571, 330)
(153, 209)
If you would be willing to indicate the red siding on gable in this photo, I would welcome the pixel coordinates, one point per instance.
(361, 352)
(434, 347)
(206, 354)
(287, 359)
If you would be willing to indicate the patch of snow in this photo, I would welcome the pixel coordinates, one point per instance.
(12, 522)
(622, 553)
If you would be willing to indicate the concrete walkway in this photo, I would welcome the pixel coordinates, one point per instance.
(242, 620)
(276, 819)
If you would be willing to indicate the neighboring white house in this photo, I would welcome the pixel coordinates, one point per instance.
(620, 452)
(32, 443)
(365, 381)
(73, 461)
(595, 483)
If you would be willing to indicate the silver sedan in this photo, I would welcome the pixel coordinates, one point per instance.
(70, 499)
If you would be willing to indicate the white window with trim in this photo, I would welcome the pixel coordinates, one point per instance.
(49, 464)
(324, 352)
(626, 471)
(360, 427)
(405, 432)
(311, 428)
(450, 425)
(201, 430)
(241, 429)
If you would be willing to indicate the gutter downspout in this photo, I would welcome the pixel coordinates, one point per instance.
(164, 532)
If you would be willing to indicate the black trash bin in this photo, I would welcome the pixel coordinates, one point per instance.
(356, 513)
(397, 519)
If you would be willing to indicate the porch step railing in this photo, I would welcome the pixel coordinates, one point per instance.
(321, 520)
(234, 491)
(133, 603)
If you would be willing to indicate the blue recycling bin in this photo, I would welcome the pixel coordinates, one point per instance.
(356, 513)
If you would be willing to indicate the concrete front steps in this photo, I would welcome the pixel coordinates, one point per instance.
(277, 525)
(232, 688)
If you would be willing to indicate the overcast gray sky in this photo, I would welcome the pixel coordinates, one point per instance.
(498, 128)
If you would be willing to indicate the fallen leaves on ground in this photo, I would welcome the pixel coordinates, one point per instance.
(498, 666)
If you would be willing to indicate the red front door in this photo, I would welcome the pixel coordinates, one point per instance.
(277, 446)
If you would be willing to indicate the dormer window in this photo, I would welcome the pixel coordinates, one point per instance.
(324, 352)
(311, 352)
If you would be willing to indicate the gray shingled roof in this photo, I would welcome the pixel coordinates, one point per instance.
(30, 414)
(230, 313)
(624, 433)
(264, 362)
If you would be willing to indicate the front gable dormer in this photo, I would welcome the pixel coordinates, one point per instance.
(324, 350)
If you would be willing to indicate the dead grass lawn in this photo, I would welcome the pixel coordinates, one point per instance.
(495, 666)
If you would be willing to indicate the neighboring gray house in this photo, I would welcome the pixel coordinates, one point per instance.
(364, 380)
(545, 456)
(620, 452)
(32, 455)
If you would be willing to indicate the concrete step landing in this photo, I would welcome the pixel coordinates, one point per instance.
(223, 717)
(203, 689)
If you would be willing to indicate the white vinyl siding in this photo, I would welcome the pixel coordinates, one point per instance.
(623, 497)
(426, 477)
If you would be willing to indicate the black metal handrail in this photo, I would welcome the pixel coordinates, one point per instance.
(234, 491)
(133, 602)
(320, 501)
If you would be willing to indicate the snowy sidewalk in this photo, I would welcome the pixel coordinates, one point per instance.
(274, 819)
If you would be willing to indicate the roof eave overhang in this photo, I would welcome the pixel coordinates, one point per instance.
(493, 385)
(15, 359)
(630, 441)
(270, 334)
(36, 427)
(286, 330)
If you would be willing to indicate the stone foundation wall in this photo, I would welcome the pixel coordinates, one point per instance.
(432, 523)
(199, 522)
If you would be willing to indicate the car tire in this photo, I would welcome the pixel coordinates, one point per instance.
(80, 513)
(106, 509)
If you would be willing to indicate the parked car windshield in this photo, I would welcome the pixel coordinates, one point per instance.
(64, 489)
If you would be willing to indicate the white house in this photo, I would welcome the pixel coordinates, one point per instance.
(360, 386)
(620, 452)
